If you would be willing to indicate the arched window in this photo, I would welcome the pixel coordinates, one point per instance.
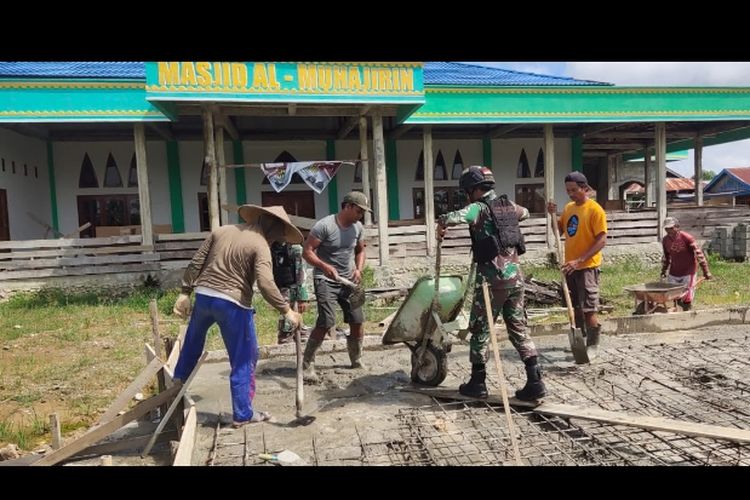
(458, 166)
(112, 176)
(539, 168)
(420, 167)
(286, 157)
(440, 173)
(204, 174)
(87, 178)
(358, 169)
(523, 165)
(133, 173)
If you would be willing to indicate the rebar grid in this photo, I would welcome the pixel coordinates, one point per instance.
(467, 434)
(694, 381)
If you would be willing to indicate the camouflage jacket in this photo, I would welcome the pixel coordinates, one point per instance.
(505, 270)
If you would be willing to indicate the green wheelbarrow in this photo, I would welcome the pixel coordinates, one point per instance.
(425, 326)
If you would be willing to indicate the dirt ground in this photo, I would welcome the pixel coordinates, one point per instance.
(362, 416)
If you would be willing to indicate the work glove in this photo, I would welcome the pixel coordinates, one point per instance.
(294, 318)
(182, 306)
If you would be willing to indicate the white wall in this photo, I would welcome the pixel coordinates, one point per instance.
(68, 157)
(29, 194)
(505, 155)
(408, 157)
(26, 191)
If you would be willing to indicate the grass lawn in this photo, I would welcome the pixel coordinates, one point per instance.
(74, 354)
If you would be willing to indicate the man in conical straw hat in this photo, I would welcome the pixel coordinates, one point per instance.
(222, 273)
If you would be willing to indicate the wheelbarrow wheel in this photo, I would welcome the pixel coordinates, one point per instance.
(434, 367)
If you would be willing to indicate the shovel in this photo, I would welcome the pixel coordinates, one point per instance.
(300, 396)
(357, 295)
(577, 342)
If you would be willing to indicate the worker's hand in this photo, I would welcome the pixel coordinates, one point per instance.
(440, 231)
(182, 306)
(551, 207)
(301, 307)
(357, 276)
(571, 265)
(331, 272)
(708, 276)
(294, 318)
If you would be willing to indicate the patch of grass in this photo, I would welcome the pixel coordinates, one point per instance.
(729, 286)
(24, 435)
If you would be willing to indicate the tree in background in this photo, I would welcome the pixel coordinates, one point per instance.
(707, 175)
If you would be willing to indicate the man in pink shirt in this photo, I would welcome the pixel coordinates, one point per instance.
(681, 253)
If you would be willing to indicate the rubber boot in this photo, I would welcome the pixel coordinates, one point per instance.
(592, 336)
(354, 346)
(534, 388)
(475, 388)
(308, 361)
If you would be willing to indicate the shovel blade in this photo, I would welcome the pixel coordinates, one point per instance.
(578, 346)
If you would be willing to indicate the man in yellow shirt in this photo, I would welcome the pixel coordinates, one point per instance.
(584, 224)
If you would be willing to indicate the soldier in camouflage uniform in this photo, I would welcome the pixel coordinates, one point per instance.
(496, 242)
(297, 293)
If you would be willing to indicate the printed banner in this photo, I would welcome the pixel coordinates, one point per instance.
(316, 174)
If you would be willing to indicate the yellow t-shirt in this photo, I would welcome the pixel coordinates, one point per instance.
(581, 224)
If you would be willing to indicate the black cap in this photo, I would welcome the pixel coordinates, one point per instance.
(576, 177)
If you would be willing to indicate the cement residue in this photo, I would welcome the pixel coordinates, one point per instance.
(353, 405)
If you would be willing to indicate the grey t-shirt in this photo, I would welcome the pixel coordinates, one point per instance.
(337, 244)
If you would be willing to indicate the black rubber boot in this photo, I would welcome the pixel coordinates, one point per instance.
(534, 388)
(592, 336)
(475, 388)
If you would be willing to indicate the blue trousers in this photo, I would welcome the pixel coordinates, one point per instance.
(237, 326)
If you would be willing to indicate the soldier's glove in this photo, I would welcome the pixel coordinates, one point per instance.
(294, 318)
(182, 306)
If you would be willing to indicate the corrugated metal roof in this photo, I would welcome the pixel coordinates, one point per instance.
(742, 173)
(435, 73)
(59, 69)
(679, 184)
(453, 73)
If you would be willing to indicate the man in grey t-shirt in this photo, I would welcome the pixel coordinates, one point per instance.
(336, 247)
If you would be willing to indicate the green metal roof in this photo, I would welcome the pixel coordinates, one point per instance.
(581, 104)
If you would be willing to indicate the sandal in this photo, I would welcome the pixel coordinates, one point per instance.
(258, 416)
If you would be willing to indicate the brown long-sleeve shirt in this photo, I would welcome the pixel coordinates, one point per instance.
(230, 260)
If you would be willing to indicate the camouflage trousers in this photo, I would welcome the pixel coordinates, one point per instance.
(285, 327)
(509, 302)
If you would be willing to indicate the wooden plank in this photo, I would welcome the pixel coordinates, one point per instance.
(131, 390)
(185, 255)
(134, 443)
(19, 254)
(643, 422)
(78, 261)
(77, 271)
(72, 242)
(101, 431)
(178, 245)
(184, 453)
(54, 424)
(182, 388)
(182, 236)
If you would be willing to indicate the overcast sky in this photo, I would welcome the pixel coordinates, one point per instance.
(736, 154)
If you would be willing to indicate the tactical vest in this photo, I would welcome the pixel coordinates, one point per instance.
(507, 233)
(284, 265)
